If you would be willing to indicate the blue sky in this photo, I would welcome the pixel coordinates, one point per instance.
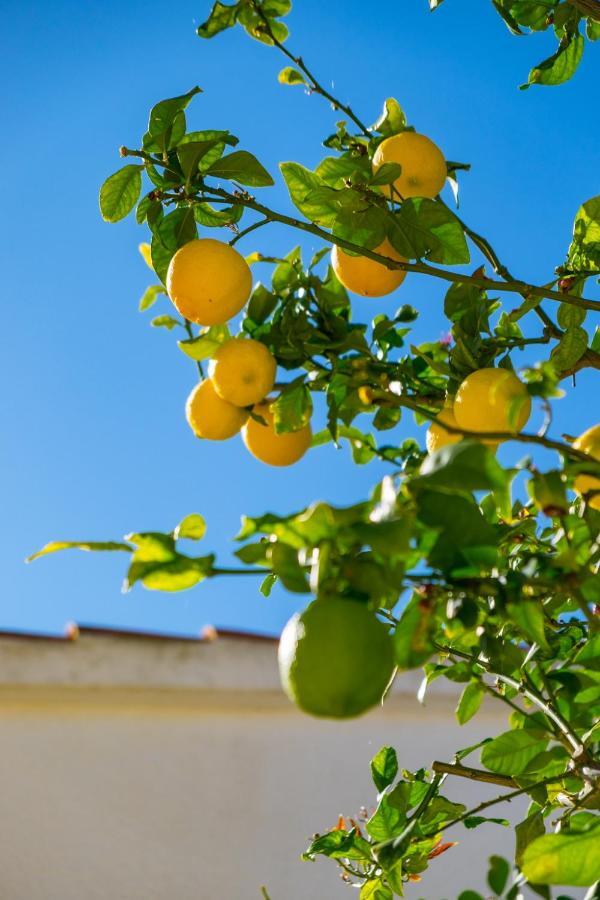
(94, 442)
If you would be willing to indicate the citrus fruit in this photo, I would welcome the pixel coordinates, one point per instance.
(437, 435)
(365, 276)
(589, 442)
(336, 658)
(492, 400)
(211, 417)
(208, 281)
(265, 444)
(243, 371)
(424, 169)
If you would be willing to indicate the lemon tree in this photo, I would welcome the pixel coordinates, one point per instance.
(472, 571)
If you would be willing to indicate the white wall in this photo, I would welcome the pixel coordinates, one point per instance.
(115, 790)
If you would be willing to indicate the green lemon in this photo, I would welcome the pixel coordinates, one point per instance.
(336, 658)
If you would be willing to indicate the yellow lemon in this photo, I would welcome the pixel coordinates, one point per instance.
(209, 416)
(243, 371)
(208, 281)
(336, 658)
(589, 442)
(365, 276)
(424, 169)
(437, 435)
(265, 444)
(492, 400)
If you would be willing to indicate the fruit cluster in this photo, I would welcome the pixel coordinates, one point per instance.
(209, 283)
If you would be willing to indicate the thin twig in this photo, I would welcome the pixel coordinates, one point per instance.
(313, 84)
(473, 774)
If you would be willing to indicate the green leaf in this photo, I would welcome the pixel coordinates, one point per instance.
(375, 890)
(387, 821)
(339, 844)
(206, 343)
(424, 228)
(150, 296)
(120, 192)
(221, 17)
(173, 232)
(572, 859)
(336, 171)
(193, 527)
(498, 873)
(100, 546)
(511, 752)
(559, 67)
(384, 767)
(385, 174)
(310, 194)
(527, 831)
(165, 321)
(178, 574)
(569, 316)
(467, 895)
(261, 305)
(470, 701)
(206, 215)
(286, 566)
(465, 466)
(584, 252)
(166, 125)
(267, 584)
(242, 167)
(476, 821)
(293, 407)
(392, 119)
(570, 348)
(589, 655)
(412, 636)
(529, 616)
(289, 75)
(464, 534)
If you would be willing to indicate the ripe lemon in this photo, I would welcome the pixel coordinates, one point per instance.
(335, 659)
(437, 436)
(243, 371)
(365, 276)
(265, 444)
(208, 281)
(492, 400)
(589, 442)
(209, 416)
(424, 169)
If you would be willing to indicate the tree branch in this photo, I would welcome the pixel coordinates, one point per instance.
(590, 8)
(473, 774)
(503, 798)
(313, 84)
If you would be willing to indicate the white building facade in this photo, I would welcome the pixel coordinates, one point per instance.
(136, 767)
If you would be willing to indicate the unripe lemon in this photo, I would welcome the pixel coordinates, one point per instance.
(209, 416)
(336, 658)
(208, 281)
(424, 169)
(243, 371)
(589, 442)
(437, 436)
(365, 276)
(492, 400)
(265, 444)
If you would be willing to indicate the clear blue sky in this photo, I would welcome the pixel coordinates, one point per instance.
(94, 442)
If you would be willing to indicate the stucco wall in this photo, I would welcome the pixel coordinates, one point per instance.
(148, 770)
